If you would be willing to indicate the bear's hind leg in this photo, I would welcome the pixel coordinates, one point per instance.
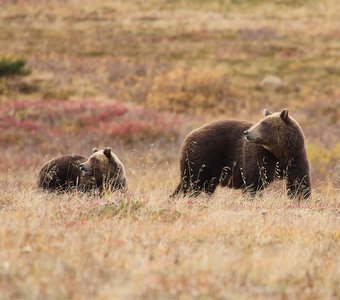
(210, 186)
(179, 189)
(250, 191)
(191, 190)
(184, 187)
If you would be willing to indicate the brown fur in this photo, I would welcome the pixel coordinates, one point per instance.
(107, 170)
(238, 154)
(63, 174)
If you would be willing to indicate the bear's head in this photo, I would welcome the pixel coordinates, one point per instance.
(104, 166)
(278, 133)
(98, 163)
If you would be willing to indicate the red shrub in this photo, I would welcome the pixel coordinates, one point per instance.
(45, 122)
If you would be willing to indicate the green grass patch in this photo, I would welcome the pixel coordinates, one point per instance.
(12, 67)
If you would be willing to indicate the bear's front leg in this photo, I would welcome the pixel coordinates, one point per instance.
(298, 182)
(256, 175)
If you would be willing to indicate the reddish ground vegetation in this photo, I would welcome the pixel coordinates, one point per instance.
(35, 122)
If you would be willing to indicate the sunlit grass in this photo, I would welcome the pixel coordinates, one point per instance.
(142, 245)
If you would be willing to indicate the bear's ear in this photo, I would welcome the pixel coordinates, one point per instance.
(266, 112)
(94, 150)
(284, 114)
(108, 152)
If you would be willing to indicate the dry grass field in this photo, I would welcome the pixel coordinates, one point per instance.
(138, 76)
(140, 246)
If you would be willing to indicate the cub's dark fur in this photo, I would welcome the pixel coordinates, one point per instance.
(62, 173)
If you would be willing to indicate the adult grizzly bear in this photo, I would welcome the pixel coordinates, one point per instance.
(106, 169)
(101, 171)
(244, 156)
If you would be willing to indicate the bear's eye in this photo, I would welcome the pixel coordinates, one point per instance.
(265, 124)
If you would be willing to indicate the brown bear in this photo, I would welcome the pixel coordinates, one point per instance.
(102, 171)
(244, 156)
(63, 174)
(106, 169)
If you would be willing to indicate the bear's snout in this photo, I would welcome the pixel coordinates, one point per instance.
(246, 135)
(85, 169)
(252, 136)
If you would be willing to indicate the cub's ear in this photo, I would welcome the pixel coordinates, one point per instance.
(284, 114)
(94, 150)
(108, 152)
(266, 112)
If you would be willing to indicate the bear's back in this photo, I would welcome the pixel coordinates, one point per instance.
(61, 172)
(216, 141)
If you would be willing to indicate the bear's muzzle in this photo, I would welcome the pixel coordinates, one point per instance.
(246, 135)
(85, 169)
(251, 137)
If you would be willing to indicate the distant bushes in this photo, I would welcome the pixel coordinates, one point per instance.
(11, 73)
(45, 122)
(197, 90)
(12, 67)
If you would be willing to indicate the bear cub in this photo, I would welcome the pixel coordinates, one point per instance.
(246, 156)
(106, 169)
(102, 171)
(62, 173)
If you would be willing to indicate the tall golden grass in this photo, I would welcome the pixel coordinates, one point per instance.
(142, 246)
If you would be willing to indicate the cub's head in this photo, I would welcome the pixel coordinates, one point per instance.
(98, 164)
(277, 132)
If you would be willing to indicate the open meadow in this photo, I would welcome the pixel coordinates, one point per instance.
(138, 76)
